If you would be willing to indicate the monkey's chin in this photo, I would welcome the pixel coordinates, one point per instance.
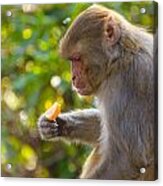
(83, 91)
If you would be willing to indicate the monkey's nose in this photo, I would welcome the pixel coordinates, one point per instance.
(73, 78)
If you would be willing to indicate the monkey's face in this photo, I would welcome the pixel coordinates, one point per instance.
(83, 75)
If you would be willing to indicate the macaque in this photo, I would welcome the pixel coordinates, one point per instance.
(112, 60)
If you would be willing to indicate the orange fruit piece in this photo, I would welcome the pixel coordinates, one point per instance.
(53, 111)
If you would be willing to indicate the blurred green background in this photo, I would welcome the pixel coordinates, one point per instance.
(34, 76)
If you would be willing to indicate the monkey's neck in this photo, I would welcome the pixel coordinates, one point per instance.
(131, 85)
(117, 91)
(108, 91)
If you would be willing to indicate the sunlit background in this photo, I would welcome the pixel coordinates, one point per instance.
(34, 76)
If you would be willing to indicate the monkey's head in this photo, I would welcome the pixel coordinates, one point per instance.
(91, 44)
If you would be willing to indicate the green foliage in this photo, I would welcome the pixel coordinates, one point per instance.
(34, 76)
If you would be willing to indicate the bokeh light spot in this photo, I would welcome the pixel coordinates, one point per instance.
(55, 81)
(23, 117)
(11, 100)
(66, 21)
(27, 33)
(48, 104)
(43, 45)
(29, 66)
(30, 158)
(27, 8)
(8, 13)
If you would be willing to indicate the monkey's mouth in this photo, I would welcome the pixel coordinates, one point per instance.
(78, 88)
(79, 85)
(82, 90)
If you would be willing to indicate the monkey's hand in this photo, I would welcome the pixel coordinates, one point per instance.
(80, 126)
(50, 130)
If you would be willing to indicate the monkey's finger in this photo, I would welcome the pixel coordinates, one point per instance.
(50, 126)
(49, 130)
(54, 132)
(45, 124)
(54, 125)
(50, 134)
(45, 131)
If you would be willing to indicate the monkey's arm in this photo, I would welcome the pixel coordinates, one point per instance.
(83, 126)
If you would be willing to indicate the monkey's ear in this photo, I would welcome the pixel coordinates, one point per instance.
(111, 31)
